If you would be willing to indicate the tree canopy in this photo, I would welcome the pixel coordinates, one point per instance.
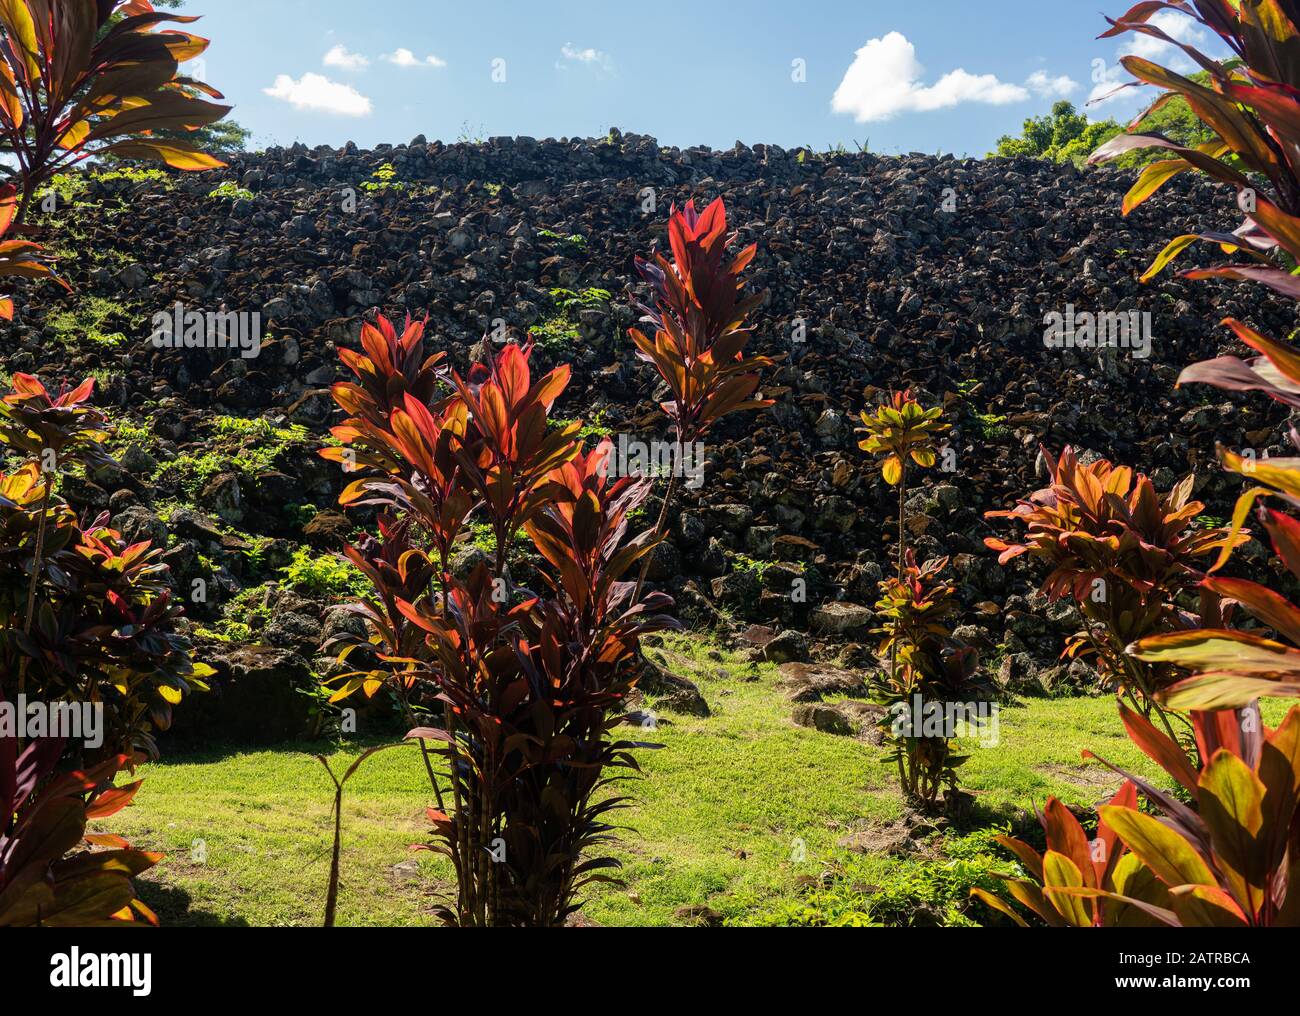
(1066, 135)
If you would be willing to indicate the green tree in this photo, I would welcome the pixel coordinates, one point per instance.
(1068, 135)
(1065, 135)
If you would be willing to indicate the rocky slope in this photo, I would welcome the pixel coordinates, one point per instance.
(934, 273)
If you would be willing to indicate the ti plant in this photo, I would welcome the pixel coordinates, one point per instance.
(83, 79)
(47, 429)
(526, 687)
(1231, 668)
(18, 258)
(899, 432)
(1125, 554)
(1251, 104)
(931, 677)
(1226, 860)
(84, 617)
(1074, 861)
(49, 875)
(699, 314)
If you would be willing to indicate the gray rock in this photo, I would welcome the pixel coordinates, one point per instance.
(841, 618)
(819, 716)
(787, 647)
(671, 691)
(811, 682)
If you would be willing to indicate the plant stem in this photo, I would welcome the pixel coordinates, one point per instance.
(660, 531)
(332, 897)
(21, 217)
(37, 561)
(902, 532)
(893, 647)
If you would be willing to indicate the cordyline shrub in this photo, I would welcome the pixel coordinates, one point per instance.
(18, 258)
(527, 687)
(1226, 860)
(83, 79)
(1252, 106)
(84, 617)
(1230, 668)
(931, 680)
(1074, 859)
(928, 668)
(530, 686)
(1125, 554)
(899, 432)
(52, 872)
(698, 311)
(1254, 109)
(1229, 858)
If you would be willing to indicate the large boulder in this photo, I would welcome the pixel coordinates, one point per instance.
(851, 620)
(813, 682)
(257, 697)
(671, 691)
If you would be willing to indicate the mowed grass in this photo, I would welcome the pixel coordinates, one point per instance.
(737, 812)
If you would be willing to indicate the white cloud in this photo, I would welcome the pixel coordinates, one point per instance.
(589, 56)
(1046, 87)
(885, 80)
(319, 94)
(405, 58)
(341, 58)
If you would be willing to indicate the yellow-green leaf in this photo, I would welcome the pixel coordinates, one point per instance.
(1060, 872)
(1172, 249)
(1151, 180)
(1168, 855)
(892, 469)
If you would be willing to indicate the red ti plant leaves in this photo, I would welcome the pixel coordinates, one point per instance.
(1229, 669)
(399, 572)
(926, 661)
(583, 535)
(1225, 861)
(1251, 102)
(1080, 881)
(698, 314)
(35, 423)
(513, 696)
(516, 452)
(1230, 859)
(1276, 372)
(18, 258)
(1125, 554)
(95, 619)
(92, 78)
(48, 877)
(389, 367)
(1229, 862)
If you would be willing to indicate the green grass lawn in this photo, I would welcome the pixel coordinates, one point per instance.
(741, 814)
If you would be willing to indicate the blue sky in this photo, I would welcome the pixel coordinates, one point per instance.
(929, 75)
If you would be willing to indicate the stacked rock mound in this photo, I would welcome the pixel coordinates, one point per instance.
(917, 271)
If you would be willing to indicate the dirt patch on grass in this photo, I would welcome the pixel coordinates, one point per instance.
(1087, 779)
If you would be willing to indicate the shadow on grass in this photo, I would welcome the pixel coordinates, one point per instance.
(172, 905)
(192, 752)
